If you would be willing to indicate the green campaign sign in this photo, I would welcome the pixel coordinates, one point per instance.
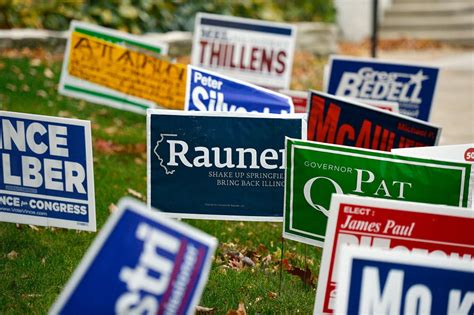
(314, 171)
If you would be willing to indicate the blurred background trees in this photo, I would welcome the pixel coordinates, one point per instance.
(140, 16)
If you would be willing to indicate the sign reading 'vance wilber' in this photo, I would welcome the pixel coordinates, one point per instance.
(316, 170)
(255, 51)
(375, 281)
(46, 174)
(209, 91)
(217, 165)
(140, 263)
(117, 69)
(408, 226)
(411, 86)
(342, 121)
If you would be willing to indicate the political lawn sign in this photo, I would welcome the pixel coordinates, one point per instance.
(390, 106)
(434, 230)
(373, 281)
(141, 262)
(117, 69)
(213, 92)
(411, 86)
(316, 170)
(456, 152)
(256, 51)
(342, 121)
(46, 176)
(299, 98)
(218, 165)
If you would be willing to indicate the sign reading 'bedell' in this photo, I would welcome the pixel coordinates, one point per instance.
(46, 175)
(219, 166)
(342, 121)
(410, 227)
(259, 52)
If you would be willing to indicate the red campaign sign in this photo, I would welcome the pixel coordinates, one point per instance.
(410, 227)
(299, 98)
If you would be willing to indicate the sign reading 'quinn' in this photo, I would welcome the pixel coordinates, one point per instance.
(373, 281)
(411, 86)
(219, 166)
(46, 175)
(140, 263)
(342, 121)
(419, 228)
(209, 91)
(120, 70)
(255, 51)
(315, 171)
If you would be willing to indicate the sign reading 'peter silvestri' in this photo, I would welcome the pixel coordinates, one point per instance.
(209, 91)
(120, 70)
(411, 86)
(315, 170)
(219, 165)
(259, 52)
(339, 120)
(422, 228)
(46, 175)
(374, 281)
(140, 263)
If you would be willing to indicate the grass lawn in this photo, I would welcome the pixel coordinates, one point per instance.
(36, 262)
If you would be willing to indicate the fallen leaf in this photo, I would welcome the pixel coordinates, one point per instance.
(112, 208)
(33, 227)
(205, 310)
(240, 311)
(43, 261)
(11, 87)
(272, 295)
(43, 94)
(258, 299)
(109, 147)
(35, 62)
(12, 255)
(48, 73)
(306, 276)
(135, 194)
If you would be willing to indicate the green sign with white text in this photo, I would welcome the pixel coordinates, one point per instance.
(314, 171)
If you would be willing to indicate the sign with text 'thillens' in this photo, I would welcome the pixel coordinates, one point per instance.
(219, 165)
(433, 230)
(46, 174)
(260, 52)
(140, 263)
(374, 281)
(120, 70)
(316, 170)
(213, 92)
(411, 86)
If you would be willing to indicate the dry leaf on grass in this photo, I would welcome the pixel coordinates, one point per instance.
(112, 208)
(201, 310)
(272, 295)
(135, 194)
(12, 255)
(240, 311)
(306, 276)
(33, 227)
(108, 147)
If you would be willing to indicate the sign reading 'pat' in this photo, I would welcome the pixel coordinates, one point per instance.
(260, 52)
(315, 170)
(421, 228)
(373, 281)
(209, 91)
(342, 121)
(411, 86)
(140, 263)
(219, 166)
(46, 175)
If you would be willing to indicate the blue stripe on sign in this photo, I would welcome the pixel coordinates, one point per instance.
(249, 27)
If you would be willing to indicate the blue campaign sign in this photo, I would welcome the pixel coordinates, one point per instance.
(339, 120)
(209, 91)
(376, 281)
(412, 86)
(47, 171)
(140, 263)
(219, 165)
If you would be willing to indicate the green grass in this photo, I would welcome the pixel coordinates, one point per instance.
(31, 282)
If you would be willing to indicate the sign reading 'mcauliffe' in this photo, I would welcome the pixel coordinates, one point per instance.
(120, 70)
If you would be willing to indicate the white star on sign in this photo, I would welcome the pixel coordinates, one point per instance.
(417, 78)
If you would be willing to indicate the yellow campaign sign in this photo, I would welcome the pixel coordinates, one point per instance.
(128, 71)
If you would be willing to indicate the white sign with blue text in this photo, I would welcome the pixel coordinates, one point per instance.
(377, 281)
(140, 263)
(209, 91)
(47, 171)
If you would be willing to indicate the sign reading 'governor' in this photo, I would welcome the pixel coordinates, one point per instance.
(219, 166)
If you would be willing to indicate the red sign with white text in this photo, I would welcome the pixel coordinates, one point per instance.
(387, 224)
